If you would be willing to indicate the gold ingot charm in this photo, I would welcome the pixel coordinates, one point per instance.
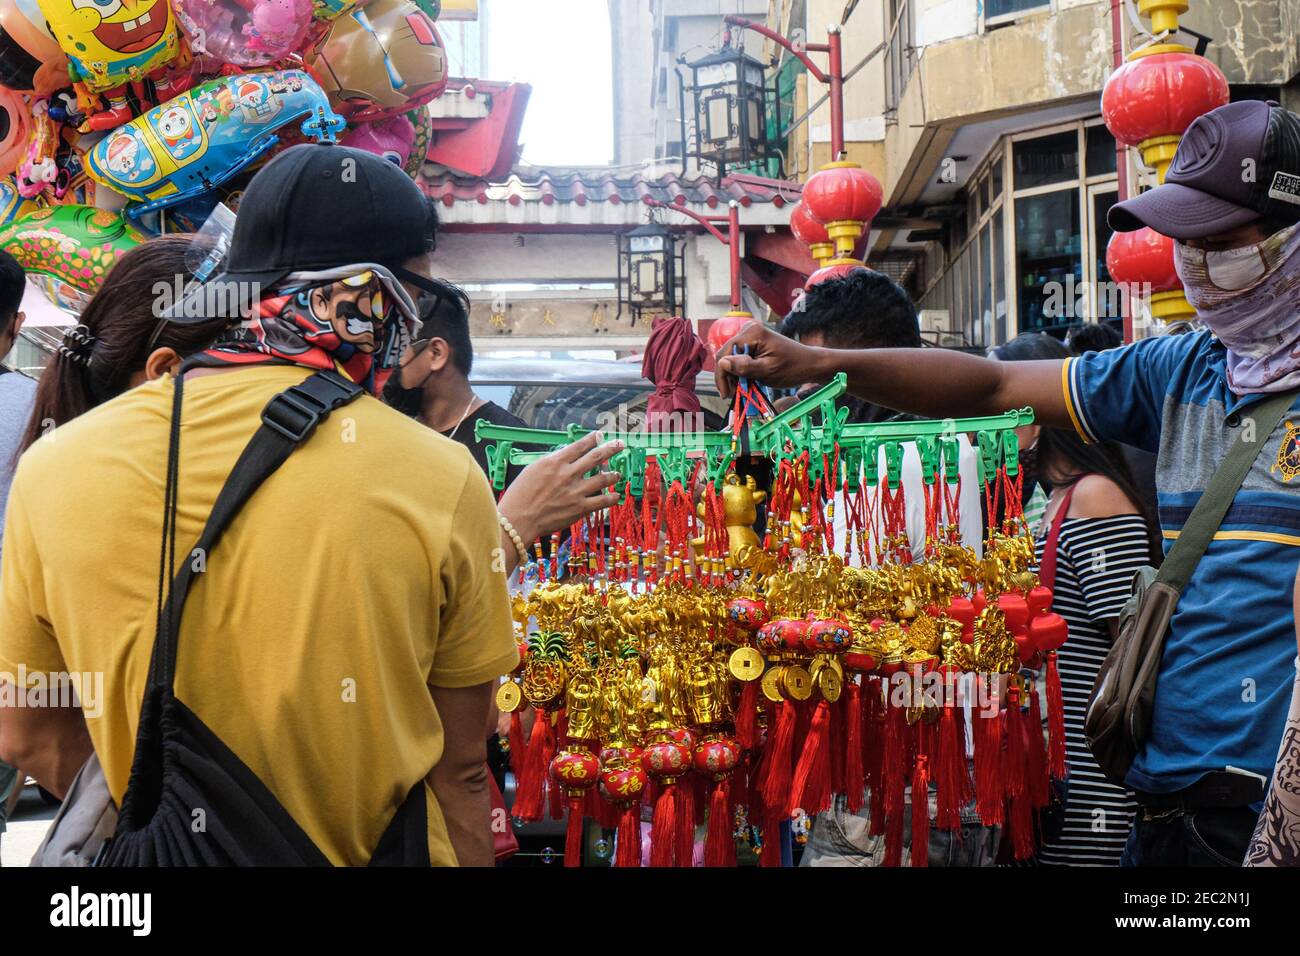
(745, 664)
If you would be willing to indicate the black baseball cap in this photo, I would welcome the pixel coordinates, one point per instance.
(319, 206)
(1235, 165)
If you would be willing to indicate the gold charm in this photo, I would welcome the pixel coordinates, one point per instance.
(830, 684)
(745, 664)
(771, 685)
(796, 682)
(509, 697)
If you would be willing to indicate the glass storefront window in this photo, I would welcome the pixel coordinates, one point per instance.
(1046, 160)
(1049, 266)
(999, 283)
(1109, 301)
(986, 284)
(1100, 151)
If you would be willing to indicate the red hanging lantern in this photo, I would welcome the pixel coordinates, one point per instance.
(1151, 100)
(844, 198)
(723, 329)
(1143, 262)
(811, 233)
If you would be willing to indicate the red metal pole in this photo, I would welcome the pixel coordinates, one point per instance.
(1121, 151)
(836, 71)
(733, 240)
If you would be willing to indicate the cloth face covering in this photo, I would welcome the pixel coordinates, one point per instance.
(358, 317)
(1250, 299)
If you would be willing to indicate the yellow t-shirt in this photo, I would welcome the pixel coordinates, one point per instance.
(364, 571)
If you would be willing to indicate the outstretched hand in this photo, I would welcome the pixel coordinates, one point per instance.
(773, 360)
(551, 493)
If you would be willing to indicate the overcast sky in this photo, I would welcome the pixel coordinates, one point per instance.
(563, 50)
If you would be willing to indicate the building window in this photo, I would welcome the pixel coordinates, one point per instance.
(1031, 258)
(997, 10)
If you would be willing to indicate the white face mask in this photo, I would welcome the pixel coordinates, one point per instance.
(1234, 270)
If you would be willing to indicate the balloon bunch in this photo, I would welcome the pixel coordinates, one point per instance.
(677, 661)
(170, 105)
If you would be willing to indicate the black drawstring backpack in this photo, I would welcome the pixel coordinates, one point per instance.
(190, 801)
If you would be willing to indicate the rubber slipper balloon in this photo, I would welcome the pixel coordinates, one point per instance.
(30, 59)
(382, 60)
(110, 43)
(68, 250)
(204, 137)
(244, 32)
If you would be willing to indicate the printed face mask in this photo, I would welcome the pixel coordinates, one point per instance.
(1250, 299)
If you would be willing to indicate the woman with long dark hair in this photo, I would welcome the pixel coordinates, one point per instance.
(120, 341)
(1104, 534)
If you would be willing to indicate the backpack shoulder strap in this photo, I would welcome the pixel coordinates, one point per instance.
(288, 420)
(1217, 498)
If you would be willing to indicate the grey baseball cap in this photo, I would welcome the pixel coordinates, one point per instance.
(1235, 165)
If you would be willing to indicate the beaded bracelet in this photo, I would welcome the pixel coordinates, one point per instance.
(513, 535)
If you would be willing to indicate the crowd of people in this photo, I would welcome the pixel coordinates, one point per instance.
(377, 607)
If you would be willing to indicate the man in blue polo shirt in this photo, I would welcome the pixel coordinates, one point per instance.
(1232, 203)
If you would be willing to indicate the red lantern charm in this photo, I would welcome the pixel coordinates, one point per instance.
(746, 615)
(575, 770)
(665, 760)
(624, 784)
(716, 756)
(1048, 631)
(828, 636)
(782, 636)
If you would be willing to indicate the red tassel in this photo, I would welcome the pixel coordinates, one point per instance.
(921, 812)
(529, 800)
(686, 817)
(629, 837)
(894, 770)
(663, 826)
(747, 716)
(873, 751)
(518, 746)
(573, 832)
(1014, 770)
(1036, 766)
(988, 766)
(780, 750)
(854, 775)
(837, 744)
(1055, 720)
(810, 789)
(948, 772)
(719, 844)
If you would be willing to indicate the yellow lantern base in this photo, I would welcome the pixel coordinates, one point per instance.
(1158, 153)
(1171, 307)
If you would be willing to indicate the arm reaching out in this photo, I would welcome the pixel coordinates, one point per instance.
(939, 383)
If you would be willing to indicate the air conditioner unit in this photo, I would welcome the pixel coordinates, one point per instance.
(936, 321)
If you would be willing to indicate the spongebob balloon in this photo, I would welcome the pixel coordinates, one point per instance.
(110, 43)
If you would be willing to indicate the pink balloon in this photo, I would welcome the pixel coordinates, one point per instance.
(244, 32)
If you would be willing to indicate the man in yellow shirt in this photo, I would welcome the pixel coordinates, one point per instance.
(344, 638)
